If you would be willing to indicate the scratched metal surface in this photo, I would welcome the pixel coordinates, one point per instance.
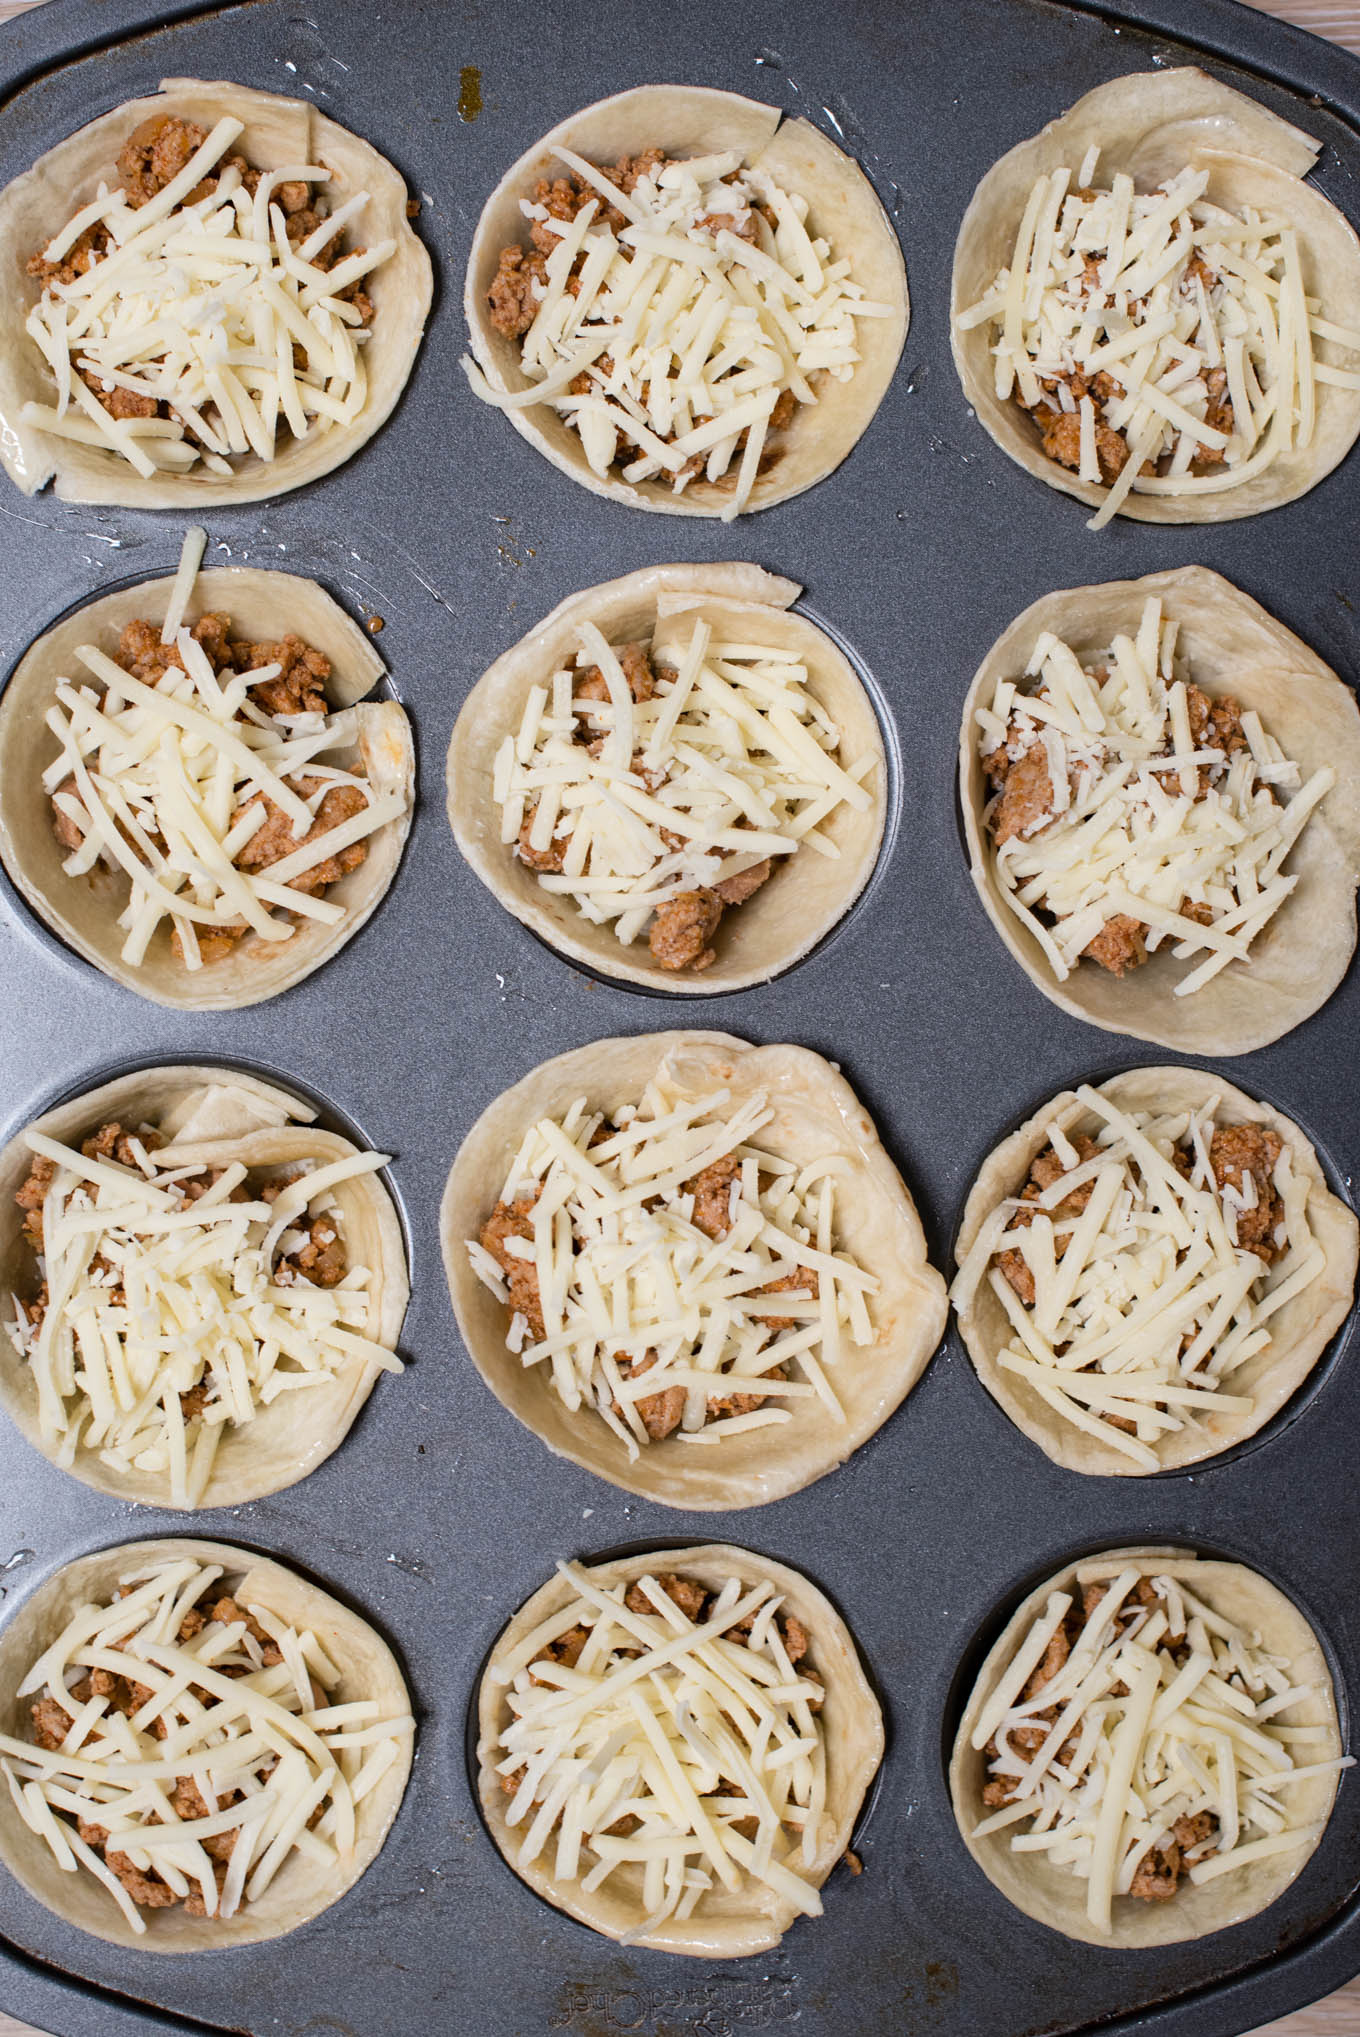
(439, 1514)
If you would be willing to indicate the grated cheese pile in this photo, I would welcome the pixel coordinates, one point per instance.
(1160, 1712)
(279, 1766)
(1209, 349)
(731, 760)
(1134, 818)
(673, 1724)
(152, 1294)
(1145, 1304)
(168, 786)
(622, 1276)
(199, 304)
(691, 320)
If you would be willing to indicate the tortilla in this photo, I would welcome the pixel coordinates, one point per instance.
(1232, 646)
(1055, 1896)
(302, 1888)
(817, 1114)
(791, 913)
(278, 131)
(263, 606)
(724, 1925)
(216, 1115)
(693, 120)
(1300, 1331)
(1152, 124)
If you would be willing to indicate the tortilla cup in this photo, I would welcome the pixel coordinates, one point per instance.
(1152, 124)
(302, 1889)
(724, 1925)
(217, 1115)
(1057, 1897)
(1300, 1331)
(278, 131)
(263, 606)
(1233, 646)
(692, 120)
(817, 1115)
(790, 914)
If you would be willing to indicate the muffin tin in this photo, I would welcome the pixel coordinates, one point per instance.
(440, 1515)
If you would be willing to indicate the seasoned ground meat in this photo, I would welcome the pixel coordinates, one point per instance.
(516, 290)
(275, 838)
(515, 1220)
(683, 927)
(1026, 801)
(660, 1413)
(1162, 1868)
(31, 1196)
(550, 858)
(736, 890)
(803, 1280)
(1047, 1169)
(1236, 1151)
(718, 1406)
(1060, 432)
(320, 1261)
(682, 1591)
(1119, 946)
(638, 670)
(712, 1192)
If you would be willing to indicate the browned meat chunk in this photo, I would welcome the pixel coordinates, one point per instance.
(31, 1195)
(301, 685)
(682, 1591)
(1158, 1875)
(1218, 415)
(514, 305)
(148, 1891)
(803, 1280)
(51, 1722)
(1215, 724)
(321, 1260)
(1236, 1151)
(712, 1192)
(155, 153)
(68, 832)
(638, 670)
(275, 839)
(1061, 434)
(514, 1220)
(720, 1405)
(194, 1404)
(736, 890)
(540, 859)
(1119, 946)
(1047, 1169)
(566, 1652)
(111, 1142)
(119, 402)
(91, 247)
(226, 1611)
(189, 1802)
(1026, 802)
(683, 928)
(660, 1413)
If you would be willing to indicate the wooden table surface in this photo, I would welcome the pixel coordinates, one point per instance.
(1339, 2014)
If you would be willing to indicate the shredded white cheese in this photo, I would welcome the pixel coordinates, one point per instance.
(623, 804)
(220, 1746)
(167, 784)
(158, 1285)
(1132, 817)
(666, 341)
(639, 1303)
(675, 1730)
(1185, 325)
(1144, 1303)
(1161, 1726)
(207, 307)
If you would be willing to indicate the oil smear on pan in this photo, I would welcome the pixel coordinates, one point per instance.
(469, 92)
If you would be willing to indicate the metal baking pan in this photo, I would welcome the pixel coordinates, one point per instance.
(440, 1514)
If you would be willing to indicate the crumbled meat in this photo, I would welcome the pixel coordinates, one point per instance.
(148, 1891)
(514, 1220)
(682, 1591)
(736, 890)
(111, 1142)
(1236, 1151)
(1215, 724)
(1119, 946)
(226, 1611)
(712, 1192)
(51, 1722)
(564, 1651)
(720, 1405)
(275, 838)
(513, 296)
(1061, 435)
(638, 670)
(660, 1413)
(300, 687)
(802, 1280)
(550, 858)
(1158, 1874)
(31, 1195)
(683, 927)
(194, 1404)
(1026, 800)
(155, 153)
(1046, 1169)
(320, 1260)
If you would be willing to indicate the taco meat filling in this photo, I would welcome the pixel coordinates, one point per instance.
(298, 689)
(1128, 810)
(153, 156)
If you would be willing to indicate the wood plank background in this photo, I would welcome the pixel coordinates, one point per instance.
(1339, 2015)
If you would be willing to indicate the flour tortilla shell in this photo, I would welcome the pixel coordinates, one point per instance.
(799, 905)
(691, 120)
(263, 607)
(1152, 124)
(278, 131)
(724, 1925)
(214, 1116)
(1056, 1897)
(1233, 646)
(1300, 1331)
(301, 1889)
(816, 1115)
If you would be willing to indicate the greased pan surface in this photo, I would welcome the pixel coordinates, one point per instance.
(440, 1515)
